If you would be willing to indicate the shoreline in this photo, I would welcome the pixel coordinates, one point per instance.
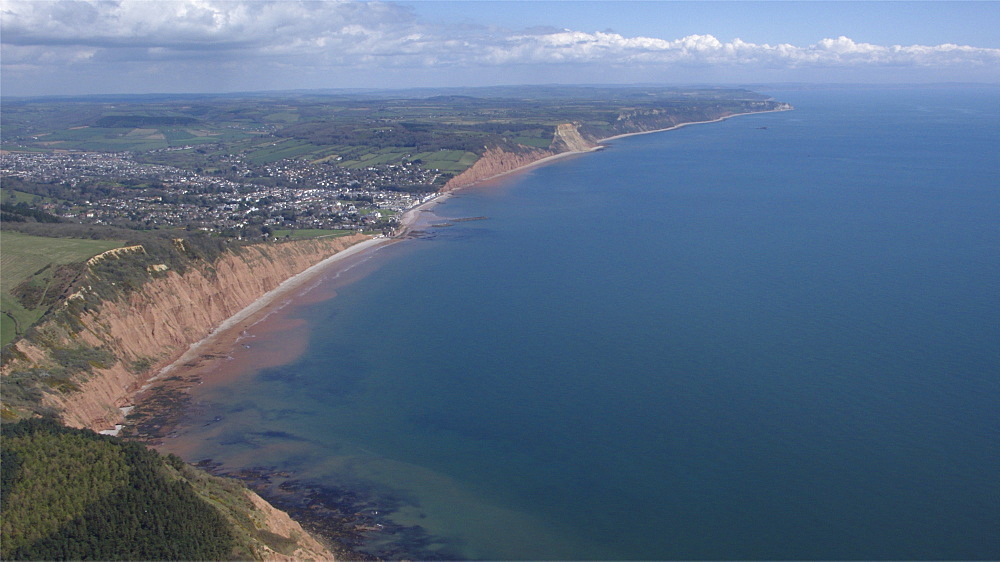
(220, 341)
(596, 147)
(679, 125)
(227, 334)
(163, 398)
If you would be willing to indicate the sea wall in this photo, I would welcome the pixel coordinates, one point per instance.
(148, 329)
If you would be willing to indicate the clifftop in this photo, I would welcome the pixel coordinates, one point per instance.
(86, 359)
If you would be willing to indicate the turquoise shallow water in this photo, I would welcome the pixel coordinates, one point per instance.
(772, 337)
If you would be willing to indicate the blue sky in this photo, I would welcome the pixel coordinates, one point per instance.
(887, 23)
(140, 46)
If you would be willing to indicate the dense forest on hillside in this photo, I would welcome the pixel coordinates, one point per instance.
(70, 494)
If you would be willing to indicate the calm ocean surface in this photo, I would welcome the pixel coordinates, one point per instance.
(724, 341)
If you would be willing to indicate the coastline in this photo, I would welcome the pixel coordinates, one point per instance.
(679, 125)
(164, 396)
(443, 195)
(227, 334)
(201, 355)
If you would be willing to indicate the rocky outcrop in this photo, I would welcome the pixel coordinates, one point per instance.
(146, 330)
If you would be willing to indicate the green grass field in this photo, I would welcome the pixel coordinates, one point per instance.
(272, 151)
(23, 257)
(15, 196)
(447, 160)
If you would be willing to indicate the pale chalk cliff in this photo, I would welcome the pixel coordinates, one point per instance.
(146, 330)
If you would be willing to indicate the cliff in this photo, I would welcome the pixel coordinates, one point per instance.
(120, 343)
(497, 161)
(578, 137)
(294, 542)
(493, 163)
(568, 138)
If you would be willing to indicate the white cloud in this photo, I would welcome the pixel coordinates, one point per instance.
(205, 37)
(576, 46)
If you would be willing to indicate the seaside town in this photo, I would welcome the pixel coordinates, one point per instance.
(240, 198)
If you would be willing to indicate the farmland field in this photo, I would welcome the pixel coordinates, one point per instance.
(24, 257)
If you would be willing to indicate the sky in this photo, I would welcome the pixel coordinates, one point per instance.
(70, 47)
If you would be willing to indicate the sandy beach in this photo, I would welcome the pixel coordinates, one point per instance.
(225, 336)
(206, 356)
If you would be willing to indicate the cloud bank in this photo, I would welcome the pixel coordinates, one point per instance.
(215, 44)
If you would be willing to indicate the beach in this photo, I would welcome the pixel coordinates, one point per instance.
(712, 370)
(258, 339)
(214, 354)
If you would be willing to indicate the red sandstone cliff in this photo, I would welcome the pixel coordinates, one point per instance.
(149, 329)
(299, 545)
(493, 163)
(496, 161)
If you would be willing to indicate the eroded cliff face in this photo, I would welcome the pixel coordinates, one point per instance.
(493, 163)
(568, 138)
(146, 330)
(496, 161)
(298, 544)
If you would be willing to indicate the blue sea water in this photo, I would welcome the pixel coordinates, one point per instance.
(774, 337)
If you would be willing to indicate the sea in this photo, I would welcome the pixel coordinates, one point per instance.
(771, 337)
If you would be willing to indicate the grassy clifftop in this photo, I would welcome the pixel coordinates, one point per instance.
(48, 283)
(32, 272)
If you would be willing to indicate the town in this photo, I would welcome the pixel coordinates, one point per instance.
(293, 165)
(246, 200)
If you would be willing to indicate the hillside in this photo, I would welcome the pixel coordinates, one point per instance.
(33, 274)
(114, 320)
(71, 494)
(133, 310)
